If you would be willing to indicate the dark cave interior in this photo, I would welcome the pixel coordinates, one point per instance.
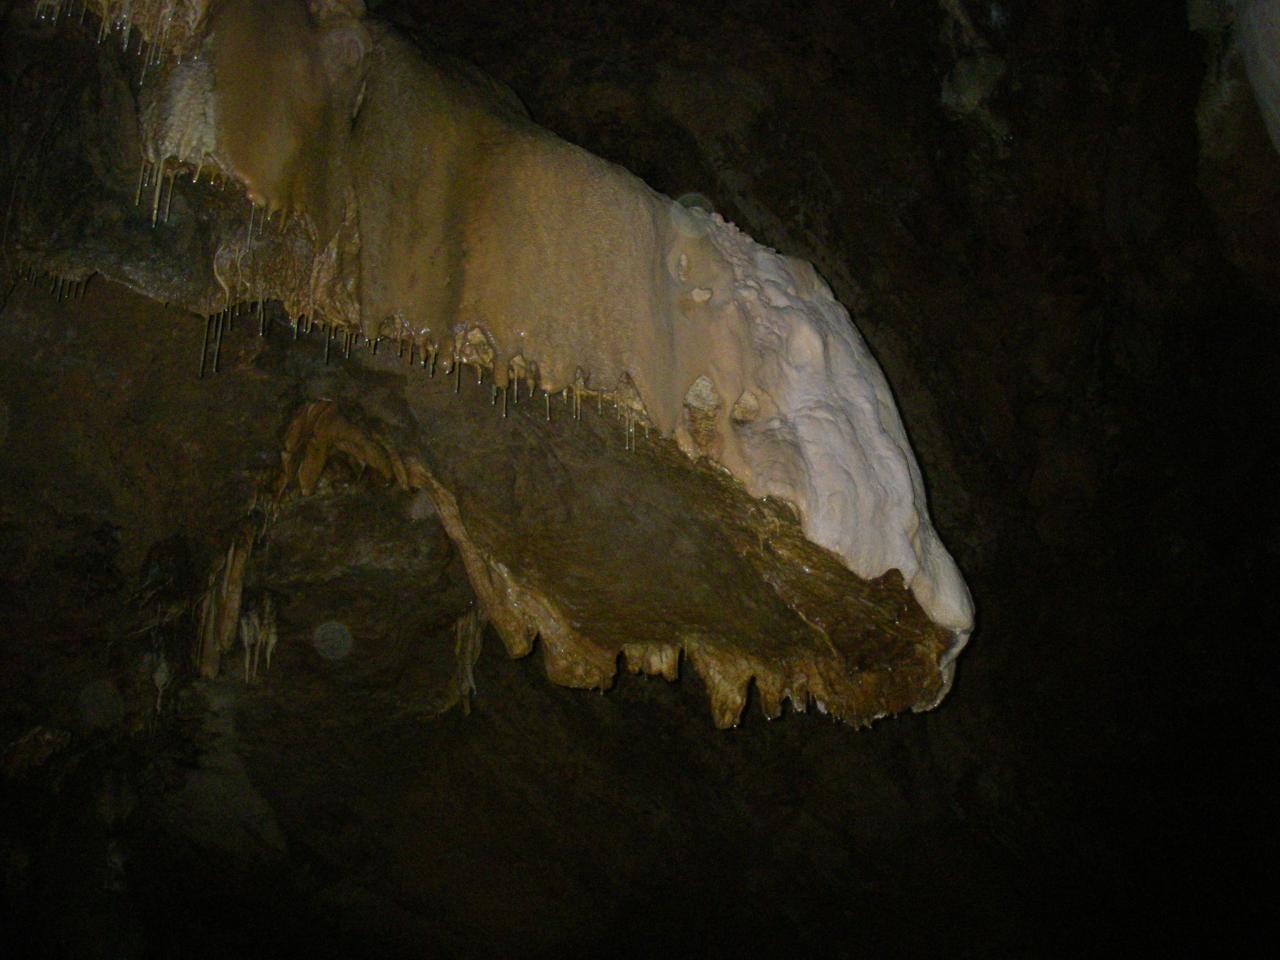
(1070, 276)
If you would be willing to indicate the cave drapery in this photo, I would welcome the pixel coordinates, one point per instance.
(400, 197)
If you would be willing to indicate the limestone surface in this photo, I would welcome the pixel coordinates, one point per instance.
(381, 193)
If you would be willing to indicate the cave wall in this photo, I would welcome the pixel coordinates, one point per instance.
(1073, 289)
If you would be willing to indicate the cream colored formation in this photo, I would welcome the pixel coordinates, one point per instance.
(258, 635)
(432, 211)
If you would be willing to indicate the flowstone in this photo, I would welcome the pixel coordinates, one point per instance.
(675, 442)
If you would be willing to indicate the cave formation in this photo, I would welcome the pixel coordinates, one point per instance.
(360, 412)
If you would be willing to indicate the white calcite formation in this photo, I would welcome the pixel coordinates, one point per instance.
(803, 413)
